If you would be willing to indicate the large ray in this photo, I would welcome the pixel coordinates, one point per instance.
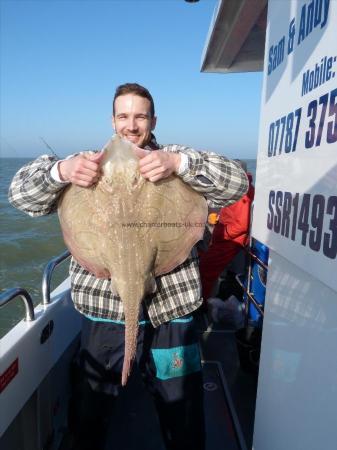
(131, 230)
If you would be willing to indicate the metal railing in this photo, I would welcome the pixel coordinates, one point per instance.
(258, 260)
(10, 294)
(246, 289)
(249, 294)
(47, 274)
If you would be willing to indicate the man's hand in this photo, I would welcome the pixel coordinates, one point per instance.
(83, 170)
(157, 165)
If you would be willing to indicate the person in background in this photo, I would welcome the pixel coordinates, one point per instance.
(230, 235)
(166, 320)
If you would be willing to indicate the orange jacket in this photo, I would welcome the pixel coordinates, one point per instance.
(234, 220)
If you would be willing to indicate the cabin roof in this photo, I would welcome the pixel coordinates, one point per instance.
(236, 37)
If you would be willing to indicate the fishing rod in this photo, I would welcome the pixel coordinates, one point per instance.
(10, 146)
(49, 147)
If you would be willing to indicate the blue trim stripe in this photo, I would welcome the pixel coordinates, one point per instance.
(118, 322)
(141, 322)
(187, 320)
(177, 361)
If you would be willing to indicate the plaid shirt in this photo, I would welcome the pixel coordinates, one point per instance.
(178, 293)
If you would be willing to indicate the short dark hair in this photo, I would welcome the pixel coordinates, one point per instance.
(136, 89)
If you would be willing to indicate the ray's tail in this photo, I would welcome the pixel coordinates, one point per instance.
(131, 295)
(131, 333)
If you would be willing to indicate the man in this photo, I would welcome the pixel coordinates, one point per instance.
(168, 342)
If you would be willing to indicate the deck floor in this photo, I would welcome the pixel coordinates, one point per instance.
(227, 388)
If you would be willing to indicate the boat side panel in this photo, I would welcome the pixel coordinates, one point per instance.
(35, 360)
(297, 391)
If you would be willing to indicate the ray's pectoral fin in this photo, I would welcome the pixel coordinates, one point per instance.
(174, 248)
(113, 287)
(151, 285)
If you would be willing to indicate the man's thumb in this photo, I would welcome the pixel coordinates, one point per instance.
(96, 157)
(140, 152)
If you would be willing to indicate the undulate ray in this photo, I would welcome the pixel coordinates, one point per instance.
(130, 230)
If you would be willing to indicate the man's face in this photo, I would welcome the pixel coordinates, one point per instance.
(132, 119)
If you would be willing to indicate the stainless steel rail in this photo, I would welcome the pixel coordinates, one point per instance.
(258, 260)
(246, 289)
(249, 295)
(47, 274)
(8, 295)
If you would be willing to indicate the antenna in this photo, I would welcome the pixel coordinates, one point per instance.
(48, 146)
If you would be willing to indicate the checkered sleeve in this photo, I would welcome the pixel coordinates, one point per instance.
(221, 180)
(33, 190)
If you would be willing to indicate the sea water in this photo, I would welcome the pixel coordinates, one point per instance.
(26, 245)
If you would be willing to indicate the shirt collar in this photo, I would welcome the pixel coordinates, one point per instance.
(153, 144)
